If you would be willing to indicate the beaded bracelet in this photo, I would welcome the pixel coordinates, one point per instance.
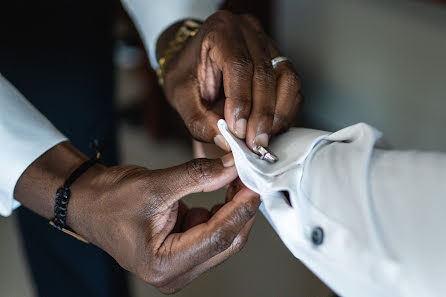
(63, 195)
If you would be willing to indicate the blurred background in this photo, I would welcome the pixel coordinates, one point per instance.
(379, 62)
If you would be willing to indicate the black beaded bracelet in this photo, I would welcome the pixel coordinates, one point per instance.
(63, 195)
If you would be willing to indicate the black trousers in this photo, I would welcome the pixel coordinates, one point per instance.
(59, 56)
(64, 266)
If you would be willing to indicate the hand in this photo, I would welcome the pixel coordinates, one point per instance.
(135, 215)
(232, 52)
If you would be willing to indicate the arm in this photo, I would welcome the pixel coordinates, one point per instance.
(391, 201)
(365, 220)
(229, 59)
(131, 212)
(134, 214)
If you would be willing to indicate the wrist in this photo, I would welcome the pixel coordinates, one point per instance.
(171, 42)
(86, 191)
(36, 188)
(165, 37)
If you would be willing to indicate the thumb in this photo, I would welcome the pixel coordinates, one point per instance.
(198, 175)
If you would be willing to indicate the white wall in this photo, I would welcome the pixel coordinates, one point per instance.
(380, 62)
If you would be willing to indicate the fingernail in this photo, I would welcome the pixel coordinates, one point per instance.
(228, 160)
(240, 128)
(261, 139)
(221, 142)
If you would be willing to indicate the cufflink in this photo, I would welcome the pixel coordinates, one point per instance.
(266, 154)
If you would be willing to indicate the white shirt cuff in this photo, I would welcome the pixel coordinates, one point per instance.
(25, 134)
(151, 17)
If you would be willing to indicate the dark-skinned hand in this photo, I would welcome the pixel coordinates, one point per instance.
(230, 56)
(136, 216)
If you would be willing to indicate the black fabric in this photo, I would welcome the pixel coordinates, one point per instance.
(64, 266)
(59, 55)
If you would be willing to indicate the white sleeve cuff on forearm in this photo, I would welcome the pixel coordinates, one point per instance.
(151, 17)
(25, 134)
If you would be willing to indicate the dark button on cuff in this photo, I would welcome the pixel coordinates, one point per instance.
(317, 235)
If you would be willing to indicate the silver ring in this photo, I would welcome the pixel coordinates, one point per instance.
(277, 60)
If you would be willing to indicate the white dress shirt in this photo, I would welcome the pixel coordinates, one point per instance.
(366, 220)
(25, 134)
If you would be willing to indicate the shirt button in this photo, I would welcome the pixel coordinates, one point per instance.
(317, 235)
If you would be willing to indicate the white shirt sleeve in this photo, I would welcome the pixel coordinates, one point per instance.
(152, 17)
(25, 134)
(366, 220)
(392, 202)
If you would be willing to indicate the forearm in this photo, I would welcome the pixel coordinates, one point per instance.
(36, 188)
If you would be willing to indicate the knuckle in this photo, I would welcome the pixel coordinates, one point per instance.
(215, 23)
(264, 73)
(291, 80)
(223, 14)
(241, 66)
(248, 209)
(196, 126)
(253, 21)
(198, 170)
(264, 114)
(219, 21)
(222, 240)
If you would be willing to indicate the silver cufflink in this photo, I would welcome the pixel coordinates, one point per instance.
(266, 154)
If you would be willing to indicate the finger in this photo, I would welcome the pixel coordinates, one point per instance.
(207, 150)
(234, 61)
(289, 102)
(202, 242)
(234, 187)
(263, 87)
(201, 121)
(216, 208)
(182, 211)
(289, 99)
(198, 175)
(195, 216)
(184, 279)
(180, 282)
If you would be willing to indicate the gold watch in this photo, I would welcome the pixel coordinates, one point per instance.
(188, 29)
